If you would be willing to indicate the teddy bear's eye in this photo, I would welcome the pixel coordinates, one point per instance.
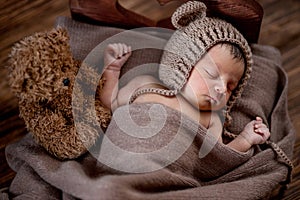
(66, 82)
(43, 102)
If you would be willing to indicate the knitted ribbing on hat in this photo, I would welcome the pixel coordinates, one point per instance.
(194, 36)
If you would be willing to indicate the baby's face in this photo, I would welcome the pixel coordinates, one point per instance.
(213, 79)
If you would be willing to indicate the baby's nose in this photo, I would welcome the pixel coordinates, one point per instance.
(220, 89)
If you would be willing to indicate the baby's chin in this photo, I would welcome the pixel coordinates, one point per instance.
(211, 104)
(208, 106)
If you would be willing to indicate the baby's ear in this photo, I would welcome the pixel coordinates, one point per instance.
(188, 12)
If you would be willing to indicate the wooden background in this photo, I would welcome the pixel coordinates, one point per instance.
(280, 28)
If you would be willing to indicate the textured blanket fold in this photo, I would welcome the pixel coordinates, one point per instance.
(222, 174)
(166, 139)
(155, 157)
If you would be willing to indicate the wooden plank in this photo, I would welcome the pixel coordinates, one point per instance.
(17, 20)
(21, 22)
(279, 33)
(6, 173)
(150, 10)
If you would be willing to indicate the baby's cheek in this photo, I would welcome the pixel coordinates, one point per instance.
(203, 86)
(227, 97)
(196, 80)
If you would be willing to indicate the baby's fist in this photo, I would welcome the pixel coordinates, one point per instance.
(256, 132)
(116, 55)
(262, 130)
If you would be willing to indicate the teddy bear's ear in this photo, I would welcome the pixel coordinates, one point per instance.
(18, 58)
(187, 13)
(35, 63)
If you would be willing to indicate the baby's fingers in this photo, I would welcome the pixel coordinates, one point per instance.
(263, 132)
(123, 49)
(126, 48)
(259, 125)
(113, 50)
(259, 119)
(120, 50)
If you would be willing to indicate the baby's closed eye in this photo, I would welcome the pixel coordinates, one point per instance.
(212, 73)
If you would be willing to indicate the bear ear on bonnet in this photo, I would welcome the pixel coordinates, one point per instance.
(187, 13)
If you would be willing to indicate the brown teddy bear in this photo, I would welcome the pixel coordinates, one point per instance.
(42, 74)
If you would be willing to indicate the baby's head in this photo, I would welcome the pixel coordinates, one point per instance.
(203, 44)
(214, 77)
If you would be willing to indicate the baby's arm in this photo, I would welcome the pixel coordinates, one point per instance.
(115, 55)
(255, 132)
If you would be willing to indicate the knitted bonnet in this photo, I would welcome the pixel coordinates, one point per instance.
(195, 35)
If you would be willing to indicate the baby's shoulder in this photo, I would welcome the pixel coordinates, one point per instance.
(133, 85)
(141, 81)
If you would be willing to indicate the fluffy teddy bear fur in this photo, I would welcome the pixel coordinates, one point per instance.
(42, 73)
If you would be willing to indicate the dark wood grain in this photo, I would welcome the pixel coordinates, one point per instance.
(246, 15)
(17, 20)
(280, 28)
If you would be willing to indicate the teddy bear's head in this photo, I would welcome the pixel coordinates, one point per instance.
(42, 66)
(42, 73)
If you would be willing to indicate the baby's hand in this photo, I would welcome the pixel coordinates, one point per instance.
(116, 55)
(256, 132)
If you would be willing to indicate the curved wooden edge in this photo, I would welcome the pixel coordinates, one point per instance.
(148, 12)
(163, 2)
(245, 15)
(100, 12)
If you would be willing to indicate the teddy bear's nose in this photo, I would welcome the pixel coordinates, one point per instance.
(66, 82)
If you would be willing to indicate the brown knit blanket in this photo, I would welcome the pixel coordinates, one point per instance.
(156, 168)
(166, 165)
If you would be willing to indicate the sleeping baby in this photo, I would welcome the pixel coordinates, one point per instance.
(203, 70)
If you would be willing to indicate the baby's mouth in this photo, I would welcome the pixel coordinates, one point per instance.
(213, 101)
